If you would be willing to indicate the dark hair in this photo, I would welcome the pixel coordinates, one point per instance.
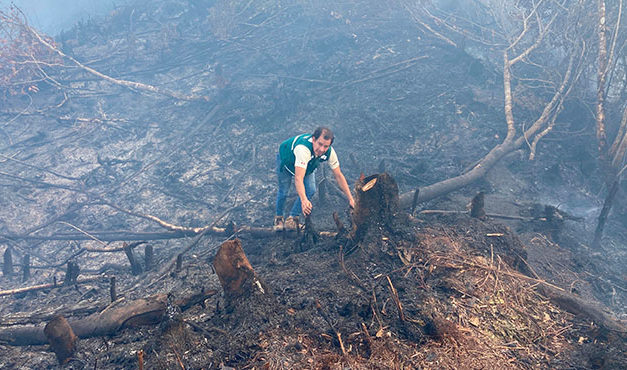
(325, 132)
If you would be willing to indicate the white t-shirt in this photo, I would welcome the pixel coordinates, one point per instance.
(303, 156)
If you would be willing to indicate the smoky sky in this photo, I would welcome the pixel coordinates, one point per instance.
(54, 16)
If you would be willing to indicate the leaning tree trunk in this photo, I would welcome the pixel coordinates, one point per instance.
(540, 127)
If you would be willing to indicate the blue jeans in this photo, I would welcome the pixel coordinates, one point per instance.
(285, 182)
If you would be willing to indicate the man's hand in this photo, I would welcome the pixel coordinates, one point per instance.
(351, 203)
(306, 206)
(299, 176)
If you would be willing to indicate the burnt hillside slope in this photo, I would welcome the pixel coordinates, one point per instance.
(88, 162)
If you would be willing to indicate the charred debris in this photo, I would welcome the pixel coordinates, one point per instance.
(136, 173)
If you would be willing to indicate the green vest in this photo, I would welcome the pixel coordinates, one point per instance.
(286, 152)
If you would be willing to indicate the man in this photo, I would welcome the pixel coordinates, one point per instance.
(298, 157)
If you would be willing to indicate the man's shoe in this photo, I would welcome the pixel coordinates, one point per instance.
(291, 223)
(279, 225)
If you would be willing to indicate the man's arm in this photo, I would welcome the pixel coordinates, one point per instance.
(299, 177)
(341, 181)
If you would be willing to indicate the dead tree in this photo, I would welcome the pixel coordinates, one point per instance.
(517, 44)
(249, 305)
(613, 158)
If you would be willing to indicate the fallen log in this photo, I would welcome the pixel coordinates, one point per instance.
(125, 235)
(174, 232)
(579, 307)
(141, 312)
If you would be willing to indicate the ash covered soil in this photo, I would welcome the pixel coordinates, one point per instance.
(435, 290)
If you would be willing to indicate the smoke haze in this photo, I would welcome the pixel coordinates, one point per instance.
(54, 16)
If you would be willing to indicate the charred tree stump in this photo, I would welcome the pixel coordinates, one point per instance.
(377, 203)
(477, 209)
(112, 290)
(179, 263)
(554, 221)
(7, 265)
(61, 338)
(310, 235)
(149, 258)
(136, 267)
(237, 276)
(249, 306)
(71, 274)
(26, 267)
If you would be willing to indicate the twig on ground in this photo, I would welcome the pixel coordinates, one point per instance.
(397, 301)
(328, 320)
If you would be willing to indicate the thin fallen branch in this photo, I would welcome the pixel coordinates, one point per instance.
(350, 273)
(381, 72)
(85, 233)
(37, 167)
(417, 19)
(128, 84)
(492, 215)
(126, 235)
(176, 232)
(36, 288)
(328, 320)
(397, 301)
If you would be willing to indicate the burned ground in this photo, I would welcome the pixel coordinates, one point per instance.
(400, 101)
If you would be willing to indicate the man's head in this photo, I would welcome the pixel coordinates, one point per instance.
(322, 139)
